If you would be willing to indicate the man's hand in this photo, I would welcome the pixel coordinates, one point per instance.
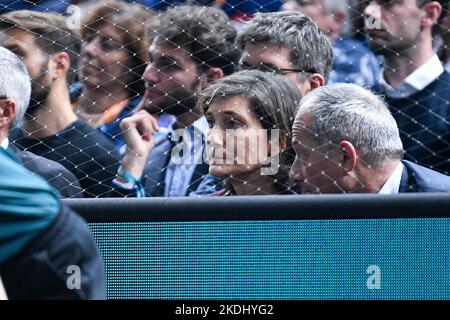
(138, 131)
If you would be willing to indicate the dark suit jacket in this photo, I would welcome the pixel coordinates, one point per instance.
(45, 266)
(155, 170)
(416, 178)
(55, 174)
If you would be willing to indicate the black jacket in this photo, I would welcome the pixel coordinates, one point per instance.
(54, 173)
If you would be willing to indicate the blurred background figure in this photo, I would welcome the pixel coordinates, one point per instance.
(289, 44)
(253, 111)
(413, 80)
(112, 60)
(51, 129)
(58, 6)
(353, 62)
(15, 91)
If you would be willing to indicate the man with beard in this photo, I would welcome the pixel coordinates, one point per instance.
(51, 128)
(193, 46)
(15, 91)
(413, 80)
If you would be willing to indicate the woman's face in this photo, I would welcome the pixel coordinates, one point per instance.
(103, 60)
(237, 144)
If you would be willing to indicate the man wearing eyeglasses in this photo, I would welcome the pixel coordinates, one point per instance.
(287, 43)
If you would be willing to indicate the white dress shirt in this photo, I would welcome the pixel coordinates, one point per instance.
(392, 185)
(4, 144)
(416, 81)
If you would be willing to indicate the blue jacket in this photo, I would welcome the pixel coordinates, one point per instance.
(416, 178)
(28, 205)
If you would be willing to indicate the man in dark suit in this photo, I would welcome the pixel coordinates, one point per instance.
(193, 47)
(13, 103)
(347, 141)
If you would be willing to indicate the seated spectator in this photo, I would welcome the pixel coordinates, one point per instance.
(353, 62)
(413, 80)
(41, 240)
(346, 141)
(193, 47)
(290, 44)
(15, 90)
(251, 114)
(51, 129)
(112, 61)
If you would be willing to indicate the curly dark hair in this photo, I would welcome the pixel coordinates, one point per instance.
(205, 32)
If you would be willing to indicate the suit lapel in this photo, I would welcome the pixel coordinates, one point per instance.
(408, 183)
(155, 170)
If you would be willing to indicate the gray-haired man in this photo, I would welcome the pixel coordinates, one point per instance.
(346, 141)
(287, 43)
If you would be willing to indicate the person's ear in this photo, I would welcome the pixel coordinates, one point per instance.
(59, 65)
(433, 11)
(348, 156)
(316, 80)
(7, 112)
(211, 76)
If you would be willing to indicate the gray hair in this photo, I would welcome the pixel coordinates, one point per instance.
(311, 48)
(15, 83)
(272, 98)
(349, 112)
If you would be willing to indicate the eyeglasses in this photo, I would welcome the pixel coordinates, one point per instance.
(265, 67)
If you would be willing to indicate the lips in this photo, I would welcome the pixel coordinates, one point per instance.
(89, 69)
(152, 93)
(376, 33)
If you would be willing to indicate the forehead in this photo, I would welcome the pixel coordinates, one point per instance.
(266, 52)
(161, 48)
(107, 29)
(387, 3)
(301, 128)
(236, 104)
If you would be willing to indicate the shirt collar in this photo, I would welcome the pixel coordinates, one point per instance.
(4, 144)
(418, 80)
(201, 125)
(392, 185)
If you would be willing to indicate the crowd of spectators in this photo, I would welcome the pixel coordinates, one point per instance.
(211, 98)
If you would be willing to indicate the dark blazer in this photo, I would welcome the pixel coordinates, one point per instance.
(416, 178)
(54, 173)
(155, 170)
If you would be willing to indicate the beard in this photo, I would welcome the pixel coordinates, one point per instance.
(177, 103)
(388, 48)
(39, 93)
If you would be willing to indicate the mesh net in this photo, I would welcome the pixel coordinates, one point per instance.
(192, 98)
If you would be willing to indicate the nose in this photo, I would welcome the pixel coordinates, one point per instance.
(215, 137)
(91, 48)
(296, 172)
(151, 74)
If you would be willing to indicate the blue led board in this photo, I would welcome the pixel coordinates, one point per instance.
(271, 259)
